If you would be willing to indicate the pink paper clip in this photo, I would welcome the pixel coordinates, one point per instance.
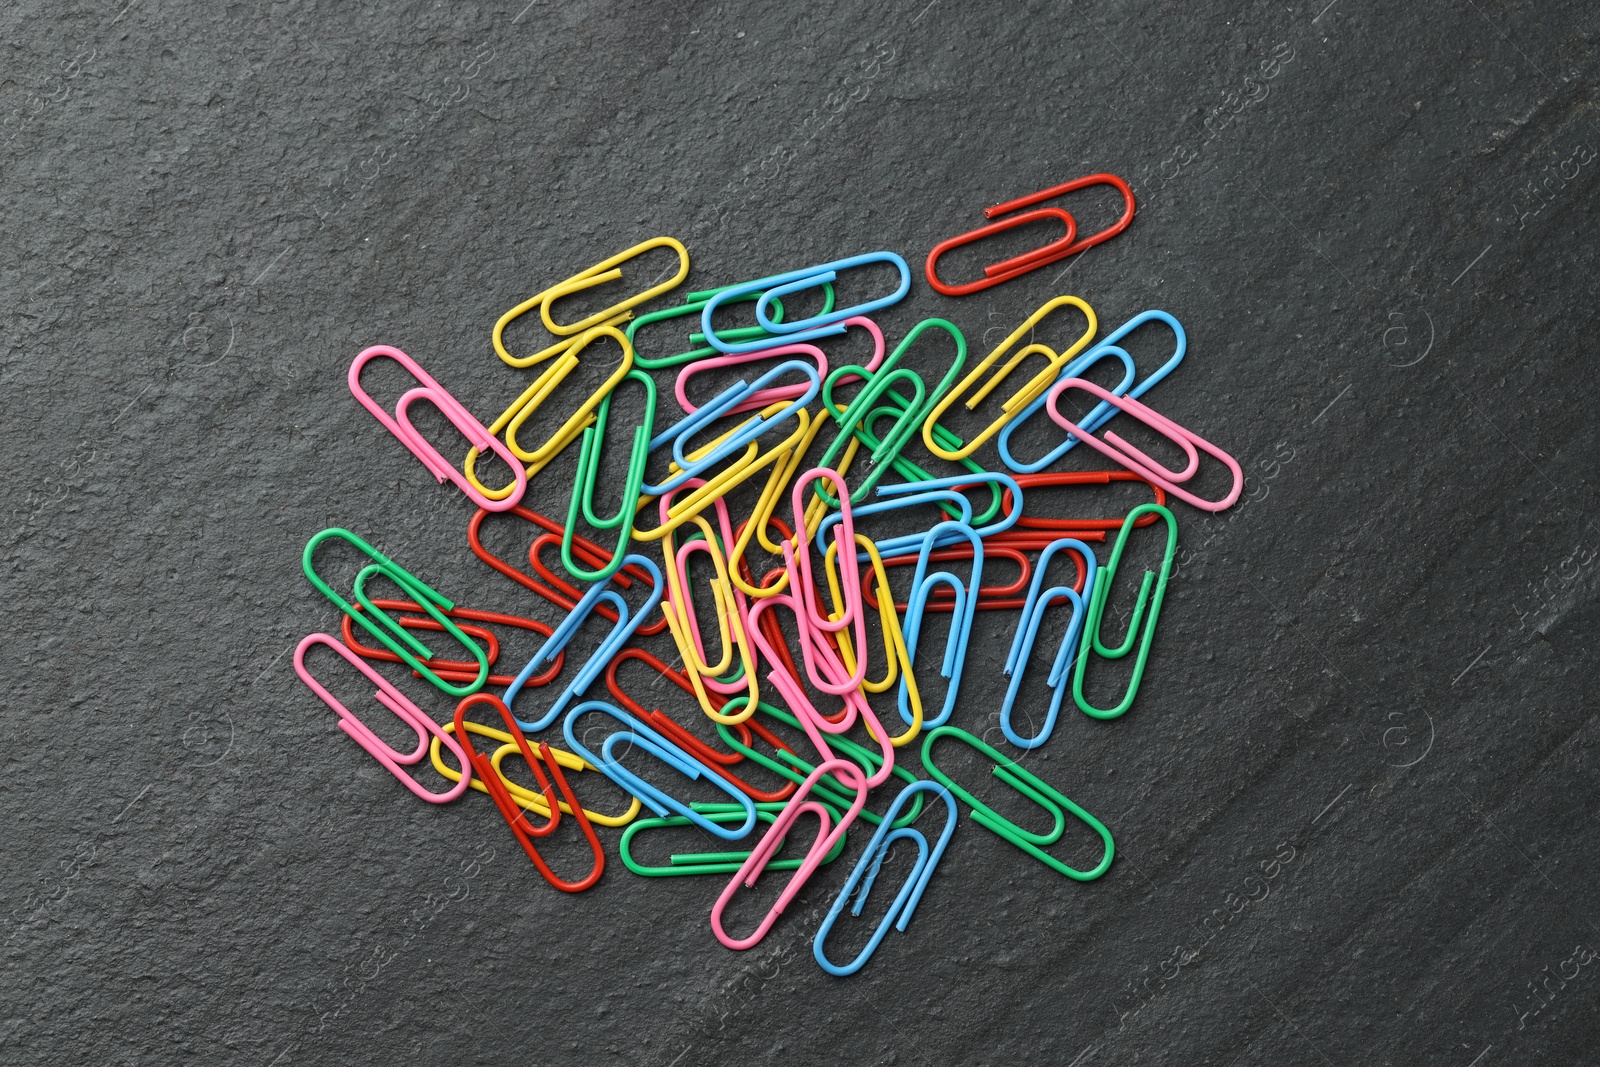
(763, 397)
(395, 701)
(451, 408)
(815, 724)
(827, 833)
(1135, 460)
(804, 589)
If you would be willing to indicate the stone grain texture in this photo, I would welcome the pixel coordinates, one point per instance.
(1355, 802)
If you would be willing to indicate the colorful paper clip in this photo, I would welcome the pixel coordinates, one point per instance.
(532, 799)
(395, 701)
(694, 304)
(625, 626)
(451, 408)
(452, 670)
(886, 449)
(559, 591)
(513, 418)
(1147, 608)
(963, 609)
(1102, 412)
(690, 863)
(828, 832)
(1132, 458)
(1033, 609)
(1029, 785)
(638, 735)
(822, 324)
(618, 313)
(516, 817)
(589, 470)
(1018, 400)
(905, 901)
(396, 638)
(1043, 256)
(790, 765)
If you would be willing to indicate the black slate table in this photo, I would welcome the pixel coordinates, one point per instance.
(1355, 802)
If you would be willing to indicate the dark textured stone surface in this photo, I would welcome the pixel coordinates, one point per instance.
(1378, 667)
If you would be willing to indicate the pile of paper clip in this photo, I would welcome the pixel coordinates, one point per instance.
(760, 438)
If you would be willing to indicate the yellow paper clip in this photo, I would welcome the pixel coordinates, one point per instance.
(679, 611)
(1022, 397)
(526, 798)
(598, 274)
(512, 419)
(894, 642)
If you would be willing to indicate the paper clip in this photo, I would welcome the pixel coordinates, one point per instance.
(761, 397)
(1030, 481)
(1059, 245)
(933, 490)
(1123, 453)
(788, 764)
(803, 582)
(715, 761)
(1147, 607)
(451, 408)
(1102, 412)
(559, 592)
(621, 630)
(896, 659)
(638, 735)
(905, 901)
(1018, 400)
(966, 597)
(831, 668)
(1006, 596)
(517, 818)
(1043, 256)
(588, 471)
(684, 863)
(1028, 631)
(823, 324)
(886, 449)
(618, 313)
(762, 854)
(678, 607)
(395, 701)
(745, 434)
(1029, 785)
(531, 799)
(396, 639)
(453, 670)
(694, 304)
(909, 470)
(511, 420)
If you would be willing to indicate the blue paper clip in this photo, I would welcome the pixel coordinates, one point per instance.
(962, 613)
(1033, 609)
(1102, 412)
(931, 491)
(905, 902)
(752, 429)
(782, 285)
(637, 733)
(621, 630)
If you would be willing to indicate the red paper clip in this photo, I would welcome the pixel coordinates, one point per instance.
(559, 592)
(1028, 481)
(455, 670)
(516, 817)
(1058, 249)
(990, 597)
